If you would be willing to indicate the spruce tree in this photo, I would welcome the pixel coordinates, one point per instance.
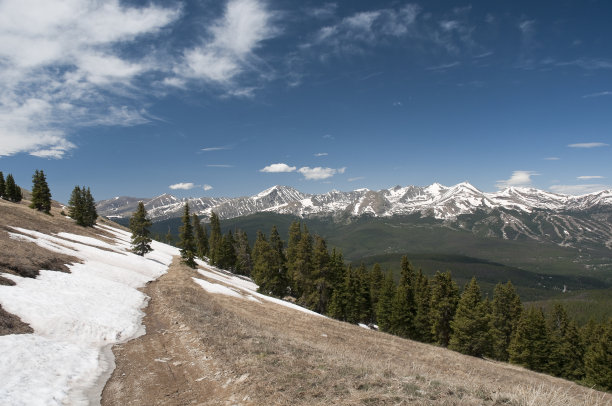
(12, 192)
(566, 358)
(471, 334)
(225, 253)
(302, 267)
(201, 238)
(506, 309)
(598, 358)
(41, 195)
(320, 290)
(422, 299)
(444, 299)
(215, 237)
(384, 307)
(82, 207)
(377, 278)
(404, 308)
(89, 208)
(141, 235)
(295, 236)
(267, 270)
(244, 261)
(168, 237)
(530, 344)
(186, 239)
(2, 185)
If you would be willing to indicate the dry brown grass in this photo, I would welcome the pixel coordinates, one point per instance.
(265, 354)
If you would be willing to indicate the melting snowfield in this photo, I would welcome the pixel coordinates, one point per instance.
(76, 317)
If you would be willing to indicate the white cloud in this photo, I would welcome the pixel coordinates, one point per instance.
(319, 173)
(229, 52)
(321, 154)
(444, 66)
(600, 94)
(579, 189)
(552, 158)
(210, 149)
(206, 187)
(60, 55)
(588, 177)
(182, 186)
(277, 168)
(588, 145)
(219, 166)
(356, 178)
(518, 178)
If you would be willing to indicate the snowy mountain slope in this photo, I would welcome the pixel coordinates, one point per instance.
(76, 316)
(436, 200)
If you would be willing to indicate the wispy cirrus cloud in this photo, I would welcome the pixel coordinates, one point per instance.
(318, 154)
(589, 177)
(211, 149)
(518, 178)
(588, 145)
(79, 63)
(552, 158)
(598, 94)
(219, 166)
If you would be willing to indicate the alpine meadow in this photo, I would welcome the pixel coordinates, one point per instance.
(263, 202)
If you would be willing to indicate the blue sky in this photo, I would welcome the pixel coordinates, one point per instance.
(227, 98)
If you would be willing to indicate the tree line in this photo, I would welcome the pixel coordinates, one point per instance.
(431, 310)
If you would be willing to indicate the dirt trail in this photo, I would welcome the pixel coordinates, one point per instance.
(168, 365)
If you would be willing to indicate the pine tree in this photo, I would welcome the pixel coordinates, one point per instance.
(41, 195)
(506, 309)
(598, 358)
(444, 299)
(186, 242)
(89, 208)
(470, 325)
(567, 350)
(422, 299)
(169, 238)
(215, 237)
(320, 290)
(376, 283)
(225, 253)
(384, 307)
(529, 346)
(267, 270)
(2, 184)
(139, 224)
(302, 267)
(201, 237)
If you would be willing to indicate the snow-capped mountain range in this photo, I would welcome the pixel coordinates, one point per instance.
(441, 202)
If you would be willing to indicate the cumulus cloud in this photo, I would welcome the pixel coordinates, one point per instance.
(579, 189)
(588, 145)
(182, 186)
(277, 168)
(206, 187)
(518, 178)
(319, 173)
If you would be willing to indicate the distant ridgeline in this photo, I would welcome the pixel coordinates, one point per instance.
(431, 310)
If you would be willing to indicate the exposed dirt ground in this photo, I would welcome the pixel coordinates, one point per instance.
(210, 349)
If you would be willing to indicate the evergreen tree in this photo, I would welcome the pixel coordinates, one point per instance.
(225, 253)
(82, 207)
(201, 238)
(320, 291)
(404, 308)
(598, 358)
(12, 192)
(244, 261)
(422, 299)
(267, 271)
(529, 346)
(2, 184)
(384, 307)
(444, 299)
(186, 239)
(139, 224)
(506, 309)
(295, 236)
(470, 325)
(302, 267)
(215, 237)
(567, 351)
(376, 283)
(279, 262)
(41, 195)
